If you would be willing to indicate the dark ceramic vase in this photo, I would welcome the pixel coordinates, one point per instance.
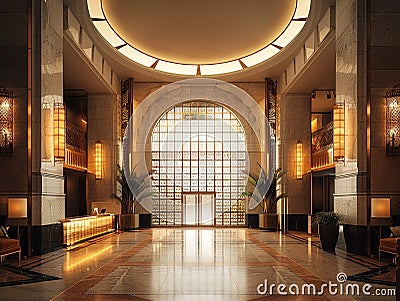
(328, 235)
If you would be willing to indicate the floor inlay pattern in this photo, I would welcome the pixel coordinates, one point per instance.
(227, 264)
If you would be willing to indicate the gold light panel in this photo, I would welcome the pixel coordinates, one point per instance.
(6, 123)
(59, 132)
(99, 160)
(299, 160)
(82, 228)
(338, 132)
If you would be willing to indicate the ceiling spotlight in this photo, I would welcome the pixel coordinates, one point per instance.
(313, 95)
(328, 95)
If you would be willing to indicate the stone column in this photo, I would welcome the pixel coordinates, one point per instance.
(367, 44)
(48, 198)
(294, 125)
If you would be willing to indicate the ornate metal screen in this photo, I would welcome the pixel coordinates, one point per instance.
(126, 103)
(393, 122)
(198, 147)
(6, 123)
(271, 103)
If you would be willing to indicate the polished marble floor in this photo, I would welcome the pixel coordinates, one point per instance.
(191, 264)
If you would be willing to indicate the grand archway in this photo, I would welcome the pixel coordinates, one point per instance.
(225, 97)
(199, 166)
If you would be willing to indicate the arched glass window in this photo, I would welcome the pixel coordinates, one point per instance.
(198, 166)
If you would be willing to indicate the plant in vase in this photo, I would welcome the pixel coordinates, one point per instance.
(270, 200)
(328, 229)
(142, 188)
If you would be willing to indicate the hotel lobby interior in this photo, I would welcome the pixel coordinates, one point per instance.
(199, 150)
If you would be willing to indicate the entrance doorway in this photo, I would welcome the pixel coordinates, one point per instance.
(198, 209)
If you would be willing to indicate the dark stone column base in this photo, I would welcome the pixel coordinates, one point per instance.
(45, 239)
(144, 220)
(356, 238)
(251, 220)
(296, 222)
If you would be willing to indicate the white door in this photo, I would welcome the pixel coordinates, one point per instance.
(198, 209)
(190, 209)
(206, 205)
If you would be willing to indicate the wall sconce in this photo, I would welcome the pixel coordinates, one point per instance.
(338, 132)
(393, 122)
(299, 160)
(313, 95)
(59, 132)
(17, 208)
(99, 160)
(6, 122)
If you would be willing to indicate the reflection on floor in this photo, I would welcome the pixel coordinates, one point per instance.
(194, 264)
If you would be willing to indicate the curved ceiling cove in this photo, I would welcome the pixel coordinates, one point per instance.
(199, 37)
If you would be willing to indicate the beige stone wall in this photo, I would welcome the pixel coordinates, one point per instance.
(294, 124)
(351, 175)
(103, 126)
(367, 66)
(384, 74)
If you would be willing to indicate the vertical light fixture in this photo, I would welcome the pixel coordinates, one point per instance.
(6, 122)
(393, 122)
(99, 160)
(59, 132)
(338, 132)
(299, 159)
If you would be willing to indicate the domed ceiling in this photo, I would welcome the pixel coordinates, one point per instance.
(205, 37)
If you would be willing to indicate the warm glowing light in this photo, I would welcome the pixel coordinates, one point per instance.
(82, 228)
(299, 160)
(220, 68)
(338, 132)
(83, 121)
(5, 105)
(295, 26)
(99, 160)
(176, 68)
(59, 132)
(380, 207)
(6, 122)
(302, 9)
(290, 33)
(91, 256)
(17, 207)
(108, 33)
(137, 56)
(95, 10)
(393, 122)
(260, 56)
(314, 125)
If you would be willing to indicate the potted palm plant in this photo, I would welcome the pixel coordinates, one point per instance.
(328, 229)
(140, 185)
(271, 200)
(269, 218)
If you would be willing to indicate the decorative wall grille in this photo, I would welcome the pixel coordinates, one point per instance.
(393, 122)
(271, 103)
(126, 103)
(6, 123)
